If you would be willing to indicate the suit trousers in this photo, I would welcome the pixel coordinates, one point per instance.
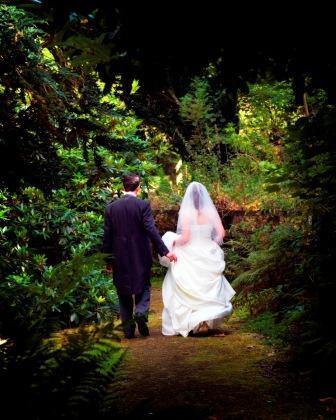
(133, 307)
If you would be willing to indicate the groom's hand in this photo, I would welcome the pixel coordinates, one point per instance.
(172, 257)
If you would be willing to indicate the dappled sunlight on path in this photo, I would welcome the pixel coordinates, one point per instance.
(225, 377)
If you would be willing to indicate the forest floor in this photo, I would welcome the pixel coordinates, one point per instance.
(235, 376)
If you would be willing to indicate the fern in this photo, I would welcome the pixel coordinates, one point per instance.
(66, 375)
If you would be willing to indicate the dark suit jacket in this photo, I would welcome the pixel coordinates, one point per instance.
(129, 227)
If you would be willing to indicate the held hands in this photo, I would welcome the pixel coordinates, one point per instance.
(172, 257)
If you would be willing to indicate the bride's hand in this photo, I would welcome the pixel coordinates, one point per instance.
(172, 257)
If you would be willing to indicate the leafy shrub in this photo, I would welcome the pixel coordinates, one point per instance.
(266, 324)
(203, 146)
(265, 115)
(65, 376)
(284, 271)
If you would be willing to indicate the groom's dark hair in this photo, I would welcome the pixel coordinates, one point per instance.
(131, 182)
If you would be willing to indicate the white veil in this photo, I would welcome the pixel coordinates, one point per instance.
(196, 205)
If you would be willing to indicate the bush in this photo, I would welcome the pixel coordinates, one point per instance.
(66, 376)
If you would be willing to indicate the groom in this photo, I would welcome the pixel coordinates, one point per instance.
(129, 225)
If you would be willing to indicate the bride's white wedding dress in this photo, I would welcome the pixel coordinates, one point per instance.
(194, 288)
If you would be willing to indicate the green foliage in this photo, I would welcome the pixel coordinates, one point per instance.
(87, 52)
(65, 139)
(282, 273)
(268, 266)
(66, 376)
(310, 161)
(63, 295)
(203, 146)
(265, 114)
(196, 106)
(33, 101)
(266, 324)
(44, 235)
(284, 165)
(47, 103)
(64, 143)
(254, 151)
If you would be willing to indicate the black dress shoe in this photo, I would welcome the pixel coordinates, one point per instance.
(143, 329)
(129, 329)
(142, 326)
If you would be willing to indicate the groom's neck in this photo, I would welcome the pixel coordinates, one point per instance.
(134, 193)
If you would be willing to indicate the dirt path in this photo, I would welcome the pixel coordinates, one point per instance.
(230, 377)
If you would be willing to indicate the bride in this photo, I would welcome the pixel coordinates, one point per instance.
(196, 295)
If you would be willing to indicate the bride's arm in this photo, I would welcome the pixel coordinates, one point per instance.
(220, 231)
(185, 232)
(184, 238)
